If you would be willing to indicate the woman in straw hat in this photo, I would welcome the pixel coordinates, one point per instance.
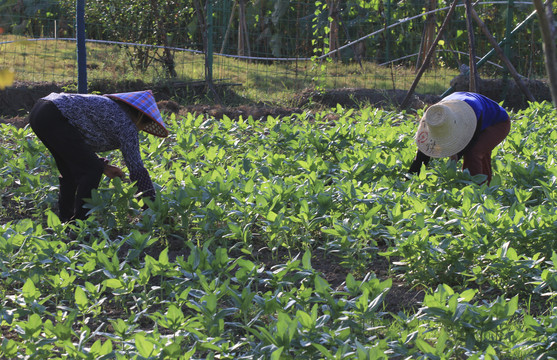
(462, 125)
(75, 127)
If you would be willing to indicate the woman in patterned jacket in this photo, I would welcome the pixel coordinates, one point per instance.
(74, 127)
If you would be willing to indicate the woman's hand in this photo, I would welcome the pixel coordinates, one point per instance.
(113, 171)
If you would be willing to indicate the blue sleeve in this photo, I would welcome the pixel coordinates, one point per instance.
(487, 110)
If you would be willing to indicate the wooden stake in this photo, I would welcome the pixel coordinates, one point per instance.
(225, 39)
(474, 80)
(430, 52)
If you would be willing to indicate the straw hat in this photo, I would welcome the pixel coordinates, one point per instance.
(144, 101)
(446, 128)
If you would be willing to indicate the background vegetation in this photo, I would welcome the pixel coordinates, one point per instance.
(265, 33)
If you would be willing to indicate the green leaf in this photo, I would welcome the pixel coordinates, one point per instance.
(174, 315)
(305, 319)
(63, 258)
(306, 260)
(99, 349)
(374, 304)
(9, 348)
(33, 325)
(174, 350)
(120, 327)
(271, 216)
(323, 350)
(211, 302)
(512, 306)
(351, 283)
(221, 257)
(144, 347)
(425, 347)
(250, 266)
(29, 291)
(467, 295)
(276, 354)
(53, 221)
(322, 286)
(81, 299)
(441, 342)
(63, 331)
(114, 283)
(264, 335)
(163, 257)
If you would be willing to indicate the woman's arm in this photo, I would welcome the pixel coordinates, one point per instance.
(416, 165)
(113, 171)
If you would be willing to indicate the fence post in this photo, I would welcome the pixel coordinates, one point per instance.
(209, 54)
(81, 48)
(388, 32)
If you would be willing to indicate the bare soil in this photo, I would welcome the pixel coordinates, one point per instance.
(17, 100)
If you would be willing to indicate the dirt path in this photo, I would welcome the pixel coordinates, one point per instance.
(17, 101)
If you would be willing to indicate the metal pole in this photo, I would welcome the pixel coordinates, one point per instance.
(387, 35)
(209, 41)
(81, 48)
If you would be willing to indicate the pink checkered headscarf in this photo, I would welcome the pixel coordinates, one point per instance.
(144, 101)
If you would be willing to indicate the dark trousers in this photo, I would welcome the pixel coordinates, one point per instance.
(477, 159)
(80, 168)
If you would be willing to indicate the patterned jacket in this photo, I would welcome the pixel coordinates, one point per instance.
(106, 126)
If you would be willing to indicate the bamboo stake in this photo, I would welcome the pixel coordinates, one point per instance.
(473, 84)
(430, 52)
(228, 27)
(243, 35)
(428, 32)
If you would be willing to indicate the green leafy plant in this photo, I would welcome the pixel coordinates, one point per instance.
(283, 238)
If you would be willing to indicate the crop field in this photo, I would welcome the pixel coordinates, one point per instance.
(286, 238)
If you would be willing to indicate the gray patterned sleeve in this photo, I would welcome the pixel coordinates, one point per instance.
(129, 146)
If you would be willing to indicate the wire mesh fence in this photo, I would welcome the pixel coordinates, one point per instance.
(266, 49)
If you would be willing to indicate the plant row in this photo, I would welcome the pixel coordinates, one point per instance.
(222, 263)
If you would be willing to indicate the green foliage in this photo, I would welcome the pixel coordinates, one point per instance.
(231, 258)
(266, 28)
